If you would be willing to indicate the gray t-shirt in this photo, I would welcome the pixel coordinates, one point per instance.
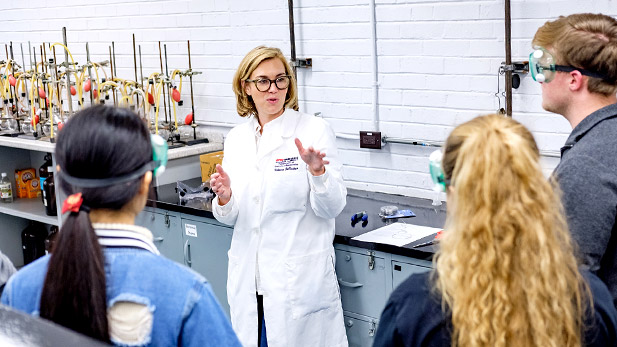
(587, 175)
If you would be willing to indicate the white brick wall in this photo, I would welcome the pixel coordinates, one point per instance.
(437, 63)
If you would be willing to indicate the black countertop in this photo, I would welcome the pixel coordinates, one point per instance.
(166, 197)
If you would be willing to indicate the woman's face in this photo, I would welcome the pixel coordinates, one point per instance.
(270, 103)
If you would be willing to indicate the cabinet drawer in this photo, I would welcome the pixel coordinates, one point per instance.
(401, 270)
(363, 286)
(360, 331)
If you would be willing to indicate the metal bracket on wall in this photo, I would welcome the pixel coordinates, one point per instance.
(516, 66)
(306, 63)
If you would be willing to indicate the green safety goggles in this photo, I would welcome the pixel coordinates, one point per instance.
(543, 68)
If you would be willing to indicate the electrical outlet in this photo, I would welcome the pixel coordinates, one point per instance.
(370, 139)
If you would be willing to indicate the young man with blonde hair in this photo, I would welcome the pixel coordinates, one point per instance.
(575, 61)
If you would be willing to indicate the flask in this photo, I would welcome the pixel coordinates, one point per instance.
(49, 192)
(6, 190)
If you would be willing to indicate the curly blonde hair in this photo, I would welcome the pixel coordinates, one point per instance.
(244, 102)
(506, 269)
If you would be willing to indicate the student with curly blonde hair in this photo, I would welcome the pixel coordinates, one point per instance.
(505, 273)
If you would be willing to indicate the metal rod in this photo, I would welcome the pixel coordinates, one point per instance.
(45, 86)
(141, 75)
(135, 64)
(57, 82)
(508, 75)
(113, 49)
(163, 89)
(168, 86)
(23, 61)
(112, 72)
(16, 112)
(80, 102)
(113, 53)
(67, 74)
(11, 88)
(188, 42)
(292, 35)
(36, 79)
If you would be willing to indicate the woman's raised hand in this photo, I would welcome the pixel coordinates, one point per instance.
(313, 158)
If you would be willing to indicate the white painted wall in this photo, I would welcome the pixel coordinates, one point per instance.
(437, 60)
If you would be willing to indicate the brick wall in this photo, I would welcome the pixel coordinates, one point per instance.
(438, 63)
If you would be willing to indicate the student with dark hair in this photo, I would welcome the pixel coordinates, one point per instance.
(105, 278)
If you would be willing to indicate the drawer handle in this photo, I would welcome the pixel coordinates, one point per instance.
(350, 284)
(187, 253)
(158, 239)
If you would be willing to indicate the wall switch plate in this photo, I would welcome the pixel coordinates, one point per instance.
(370, 139)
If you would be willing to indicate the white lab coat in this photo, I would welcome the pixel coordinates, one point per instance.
(283, 220)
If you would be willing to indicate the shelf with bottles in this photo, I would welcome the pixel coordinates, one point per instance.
(32, 209)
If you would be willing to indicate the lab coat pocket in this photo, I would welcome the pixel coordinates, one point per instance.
(288, 190)
(311, 283)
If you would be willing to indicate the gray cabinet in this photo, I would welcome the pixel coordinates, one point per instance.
(360, 330)
(165, 228)
(402, 270)
(198, 242)
(362, 280)
(205, 245)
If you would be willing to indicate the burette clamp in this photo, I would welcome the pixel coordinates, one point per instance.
(190, 72)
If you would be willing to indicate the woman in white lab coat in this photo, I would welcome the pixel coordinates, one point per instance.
(280, 187)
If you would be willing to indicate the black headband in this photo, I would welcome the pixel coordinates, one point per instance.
(110, 181)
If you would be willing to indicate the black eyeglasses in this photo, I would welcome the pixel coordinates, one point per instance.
(263, 84)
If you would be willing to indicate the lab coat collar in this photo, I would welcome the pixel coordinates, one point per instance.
(286, 123)
(281, 128)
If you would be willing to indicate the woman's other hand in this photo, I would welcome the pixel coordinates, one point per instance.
(313, 159)
(221, 185)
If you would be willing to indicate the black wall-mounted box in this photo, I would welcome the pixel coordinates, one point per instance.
(370, 139)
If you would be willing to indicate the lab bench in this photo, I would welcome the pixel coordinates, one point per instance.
(367, 272)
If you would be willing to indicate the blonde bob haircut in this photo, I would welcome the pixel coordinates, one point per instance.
(244, 102)
(505, 268)
(587, 41)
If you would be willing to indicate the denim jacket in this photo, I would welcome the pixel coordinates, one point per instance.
(184, 310)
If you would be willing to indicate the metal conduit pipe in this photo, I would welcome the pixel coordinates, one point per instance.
(292, 36)
(508, 72)
(374, 66)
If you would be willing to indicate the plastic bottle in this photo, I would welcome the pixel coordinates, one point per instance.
(44, 173)
(49, 191)
(6, 190)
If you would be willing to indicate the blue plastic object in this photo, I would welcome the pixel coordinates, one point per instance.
(400, 214)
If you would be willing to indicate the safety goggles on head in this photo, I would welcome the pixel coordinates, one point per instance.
(543, 68)
(436, 171)
(264, 84)
(157, 166)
